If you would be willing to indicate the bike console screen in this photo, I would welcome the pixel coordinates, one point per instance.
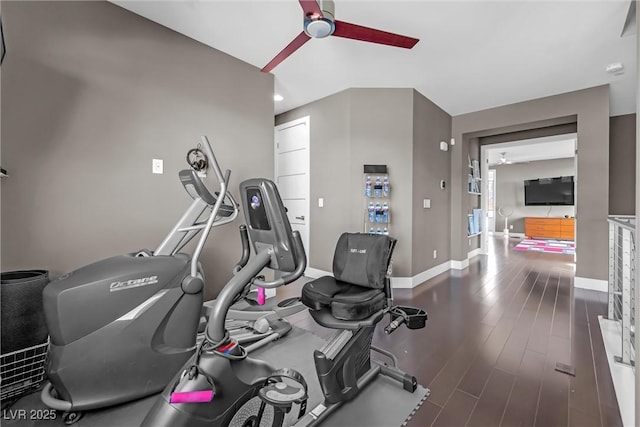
(257, 213)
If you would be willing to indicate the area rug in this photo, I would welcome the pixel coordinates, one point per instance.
(551, 246)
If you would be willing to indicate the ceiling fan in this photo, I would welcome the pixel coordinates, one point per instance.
(319, 22)
(503, 159)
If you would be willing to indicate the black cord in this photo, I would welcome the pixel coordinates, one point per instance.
(197, 159)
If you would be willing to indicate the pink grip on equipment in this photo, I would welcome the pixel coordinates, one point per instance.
(261, 296)
(192, 396)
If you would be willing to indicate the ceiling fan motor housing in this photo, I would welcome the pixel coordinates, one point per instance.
(321, 26)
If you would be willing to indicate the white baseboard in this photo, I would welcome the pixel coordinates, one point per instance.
(315, 273)
(474, 253)
(412, 282)
(459, 265)
(511, 234)
(622, 375)
(591, 284)
(402, 282)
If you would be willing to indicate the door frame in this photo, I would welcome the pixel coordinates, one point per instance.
(307, 121)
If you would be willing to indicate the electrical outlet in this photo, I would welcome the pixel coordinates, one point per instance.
(435, 253)
(510, 226)
(157, 166)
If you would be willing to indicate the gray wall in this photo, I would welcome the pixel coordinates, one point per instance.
(90, 94)
(431, 226)
(510, 190)
(330, 175)
(622, 165)
(350, 129)
(382, 133)
(590, 108)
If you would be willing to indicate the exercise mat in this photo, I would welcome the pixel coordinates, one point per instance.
(382, 403)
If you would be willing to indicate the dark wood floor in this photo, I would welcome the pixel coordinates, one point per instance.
(494, 335)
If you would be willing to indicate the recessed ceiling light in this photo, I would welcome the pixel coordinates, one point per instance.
(616, 68)
(277, 97)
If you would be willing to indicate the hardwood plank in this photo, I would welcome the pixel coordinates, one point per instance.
(516, 305)
(580, 419)
(445, 383)
(456, 411)
(562, 317)
(533, 301)
(584, 391)
(511, 356)
(611, 416)
(542, 327)
(523, 402)
(474, 380)
(504, 296)
(425, 415)
(553, 402)
(489, 409)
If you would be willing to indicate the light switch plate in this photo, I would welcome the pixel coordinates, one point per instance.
(321, 202)
(426, 203)
(157, 166)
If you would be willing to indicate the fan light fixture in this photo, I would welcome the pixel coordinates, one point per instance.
(503, 159)
(319, 28)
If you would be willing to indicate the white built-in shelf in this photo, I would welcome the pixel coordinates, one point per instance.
(473, 235)
(477, 194)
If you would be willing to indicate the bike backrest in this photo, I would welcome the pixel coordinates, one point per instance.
(267, 223)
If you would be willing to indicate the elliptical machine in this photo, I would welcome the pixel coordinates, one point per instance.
(133, 318)
(221, 386)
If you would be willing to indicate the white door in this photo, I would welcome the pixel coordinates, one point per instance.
(292, 141)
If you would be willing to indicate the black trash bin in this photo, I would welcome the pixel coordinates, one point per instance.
(22, 314)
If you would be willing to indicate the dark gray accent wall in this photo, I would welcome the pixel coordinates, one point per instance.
(348, 130)
(622, 165)
(591, 110)
(430, 226)
(510, 190)
(90, 94)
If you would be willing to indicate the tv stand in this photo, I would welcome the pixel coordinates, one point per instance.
(549, 228)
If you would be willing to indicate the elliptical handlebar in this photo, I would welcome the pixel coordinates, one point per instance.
(223, 179)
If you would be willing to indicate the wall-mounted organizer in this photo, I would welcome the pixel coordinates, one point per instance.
(474, 181)
(377, 193)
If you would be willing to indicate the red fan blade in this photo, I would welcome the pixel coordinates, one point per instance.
(291, 47)
(311, 8)
(358, 32)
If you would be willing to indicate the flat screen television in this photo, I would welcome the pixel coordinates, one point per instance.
(549, 191)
